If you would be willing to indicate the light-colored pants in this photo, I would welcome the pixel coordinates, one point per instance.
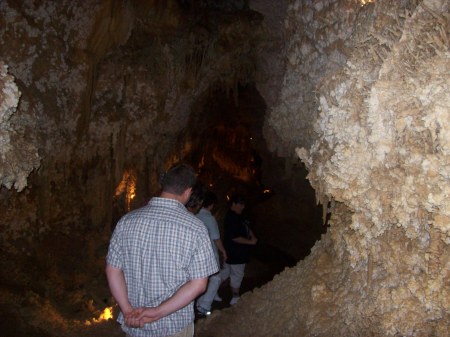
(207, 298)
(235, 272)
(186, 332)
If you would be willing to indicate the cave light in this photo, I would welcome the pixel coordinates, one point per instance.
(131, 193)
(365, 2)
(127, 186)
(106, 315)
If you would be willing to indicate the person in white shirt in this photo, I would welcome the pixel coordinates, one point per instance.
(204, 302)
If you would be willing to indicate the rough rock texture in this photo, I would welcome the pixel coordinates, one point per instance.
(106, 91)
(317, 34)
(385, 134)
(271, 63)
(379, 153)
(18, 156)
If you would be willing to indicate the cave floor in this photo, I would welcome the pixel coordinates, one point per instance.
(257, 274)
(265, 263)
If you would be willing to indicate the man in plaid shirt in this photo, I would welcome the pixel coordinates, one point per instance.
(159, 260)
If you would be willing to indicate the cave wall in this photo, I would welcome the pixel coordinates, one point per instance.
(365, 99)
(393, 174)
(94, 97)
(99, 79)
(316, 45)
(91, 112)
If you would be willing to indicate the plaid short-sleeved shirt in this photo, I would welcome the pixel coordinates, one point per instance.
(159, 248)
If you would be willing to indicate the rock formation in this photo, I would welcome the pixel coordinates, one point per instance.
(98, 97)
(379, 154)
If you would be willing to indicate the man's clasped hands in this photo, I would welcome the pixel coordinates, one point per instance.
(137, 317)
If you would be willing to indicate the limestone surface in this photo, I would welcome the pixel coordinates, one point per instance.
(18, 156)
(94, 103)
(379, 153)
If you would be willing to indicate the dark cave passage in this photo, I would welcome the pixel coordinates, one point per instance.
(225, 133)
(227, 147)
(224, 142)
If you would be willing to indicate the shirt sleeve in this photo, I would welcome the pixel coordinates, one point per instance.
(214, 229)
(114, 257)
(203, 262)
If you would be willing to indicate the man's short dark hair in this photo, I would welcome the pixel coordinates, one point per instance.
(209, 199)
(178, 179)
(237, 199)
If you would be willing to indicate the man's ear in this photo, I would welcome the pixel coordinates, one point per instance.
(187, 193)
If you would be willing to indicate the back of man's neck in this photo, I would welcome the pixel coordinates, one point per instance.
(168, 195)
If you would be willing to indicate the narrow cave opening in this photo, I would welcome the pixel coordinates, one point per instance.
(228, 149)
(224, 141)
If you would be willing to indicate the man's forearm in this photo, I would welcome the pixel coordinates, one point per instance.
(220, 246)
(118, 287)
(245, 241)
(185, 295)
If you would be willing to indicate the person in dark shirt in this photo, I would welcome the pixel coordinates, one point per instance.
(238, 239)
